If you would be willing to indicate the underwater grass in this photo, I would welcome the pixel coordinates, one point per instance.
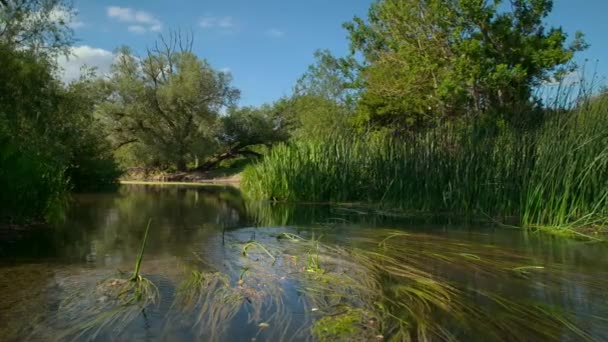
(212, 294)
(112, 305)
(383, 285)
(391, 292)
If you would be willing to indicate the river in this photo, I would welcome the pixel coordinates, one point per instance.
(219, 268)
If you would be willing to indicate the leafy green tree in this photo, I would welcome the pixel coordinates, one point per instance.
(324, 98)
(329, 77)
(245, 129)
(90, 160)
(32, 179)
(425, 61)
(40, 25)
(49, 140)
(166, 103)
(28, 95)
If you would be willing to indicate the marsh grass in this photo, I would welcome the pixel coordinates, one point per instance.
(552, 176)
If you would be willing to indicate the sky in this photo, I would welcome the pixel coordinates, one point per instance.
(267, 44)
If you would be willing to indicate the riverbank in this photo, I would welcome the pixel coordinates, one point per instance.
(143, 176)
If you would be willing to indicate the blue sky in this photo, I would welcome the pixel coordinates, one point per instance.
(266, 44)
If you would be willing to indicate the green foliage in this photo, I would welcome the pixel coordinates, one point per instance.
(318, 117)
(569, 184)
(323, 98)
(249, 126)
(48, 139)
(244, 131)
(426, 61)
(32, 185)
(167, 103)
(41, 26)
(556, 176)
(90, 161)
(32, 181)
(453, 169)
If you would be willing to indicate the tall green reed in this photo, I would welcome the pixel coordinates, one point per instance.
(555, 174)
(568, 185)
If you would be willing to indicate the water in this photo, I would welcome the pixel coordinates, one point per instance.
(229, 270)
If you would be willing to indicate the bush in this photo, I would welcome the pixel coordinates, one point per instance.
(33, 187)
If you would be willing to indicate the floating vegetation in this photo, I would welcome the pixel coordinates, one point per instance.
(391, 293)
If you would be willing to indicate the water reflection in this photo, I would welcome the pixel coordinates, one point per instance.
(519, 280)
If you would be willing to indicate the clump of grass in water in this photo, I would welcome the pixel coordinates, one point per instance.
(386, 292)
(252, 243)
(215, 301)
(116, 303)
(210, 295)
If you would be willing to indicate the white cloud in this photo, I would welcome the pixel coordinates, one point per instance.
(226, 70)
(275, 33)
(85, 55)
(137, 29)
(59, 14)
(121, 13)
(140, 21)
(210, 22)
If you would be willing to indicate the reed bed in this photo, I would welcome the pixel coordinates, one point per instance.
(555, 175)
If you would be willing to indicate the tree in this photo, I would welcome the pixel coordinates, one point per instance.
(329, 77)
(324, 97)
(40, 25)
(167, 103)
(90, 161)
(425, 61)
(243, 129)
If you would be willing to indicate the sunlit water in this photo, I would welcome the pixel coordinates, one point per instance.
(339, 273)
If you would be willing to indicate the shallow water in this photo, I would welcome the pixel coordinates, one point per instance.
(311, 273)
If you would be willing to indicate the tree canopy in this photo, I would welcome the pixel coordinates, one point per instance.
(424, 61)
(167, 102)
(40, 25)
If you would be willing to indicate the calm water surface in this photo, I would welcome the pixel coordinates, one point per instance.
(229, 270)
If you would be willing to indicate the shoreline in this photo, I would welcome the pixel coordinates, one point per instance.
(180, 178)
(209, 182)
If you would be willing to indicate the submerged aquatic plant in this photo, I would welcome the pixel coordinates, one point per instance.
(113, 305)
(385, 285)
(387, 288)
(256, 244)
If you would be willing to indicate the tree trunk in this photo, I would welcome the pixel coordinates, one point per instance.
(206, 166)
